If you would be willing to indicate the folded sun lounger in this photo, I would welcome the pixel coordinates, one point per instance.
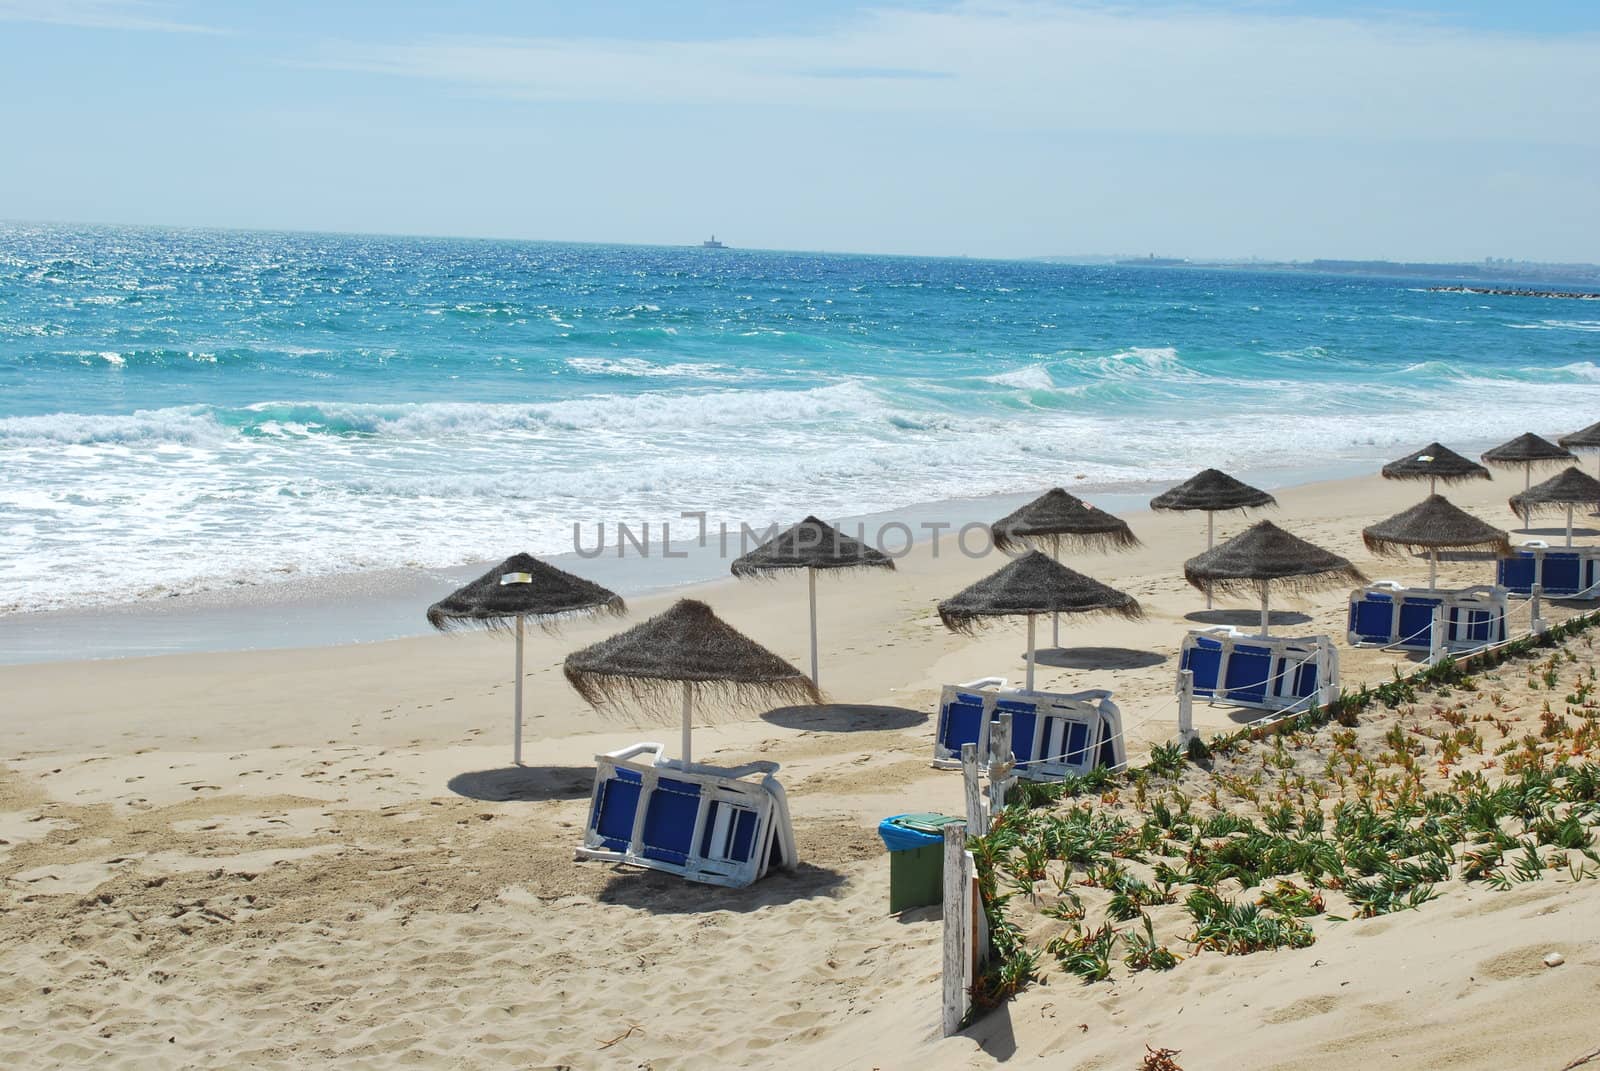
(1052, 735)
(1566, 572)
(1387, 614)
(1266, 672)
(706, 823)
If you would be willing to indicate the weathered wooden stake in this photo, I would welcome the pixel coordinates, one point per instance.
(955, 997)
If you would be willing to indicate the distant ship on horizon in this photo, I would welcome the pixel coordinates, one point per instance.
(712, 243)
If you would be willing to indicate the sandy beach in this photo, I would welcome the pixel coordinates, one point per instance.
(296, 858)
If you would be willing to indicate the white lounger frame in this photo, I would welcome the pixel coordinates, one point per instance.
(1289, 653)
(765, 797)
(1093, 707)
(1490, 598)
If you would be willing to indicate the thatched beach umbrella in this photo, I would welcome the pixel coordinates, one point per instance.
(810, 545)
(1055, 520)
(1527, 450)
(1434, 524)
(1434, 463)
(1213, 491)
(1587, 439)
(1264, 555)
(1569, 488)
(687, 648)
(520, 587)
(1031, 585)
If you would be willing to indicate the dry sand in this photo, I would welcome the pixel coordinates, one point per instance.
(297, 858)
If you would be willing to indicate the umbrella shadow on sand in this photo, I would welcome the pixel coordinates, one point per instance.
(1098, 658)
(1556, 533)
(524, 783)
(845, 717)
(1247, 618)
(667, 894)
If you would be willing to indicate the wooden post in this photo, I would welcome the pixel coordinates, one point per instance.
(954, 996)
(1537, 590)
(1436, 636)
(1186, 707)
(969, 778)
(1001, 764)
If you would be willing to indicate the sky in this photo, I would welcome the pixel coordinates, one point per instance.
(1283, 129)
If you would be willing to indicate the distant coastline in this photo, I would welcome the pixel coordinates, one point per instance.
(1503, 273)
(1576, 295)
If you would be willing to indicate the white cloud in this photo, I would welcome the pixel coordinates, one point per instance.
(1066, 67)
(100, 15)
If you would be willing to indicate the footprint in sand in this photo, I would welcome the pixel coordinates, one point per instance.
(1304, 1008)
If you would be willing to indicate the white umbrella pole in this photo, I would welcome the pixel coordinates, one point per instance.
(516, 738)
(811, 575)
(1265, 617)
(1211, 541)
(688, 714)
(1527, 507)
(1030, 652)
(1569, 524)
(1055, 619)
(1433, 569)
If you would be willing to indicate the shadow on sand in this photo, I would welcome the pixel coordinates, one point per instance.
(845, 718)
(994, 1034)
(1250, 619)
(524, 783)
(1556, 534)
(667, 894)
(1097, 658)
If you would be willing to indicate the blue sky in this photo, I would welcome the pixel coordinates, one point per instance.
(991, 127)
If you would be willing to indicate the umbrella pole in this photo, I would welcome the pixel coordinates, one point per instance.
(1265, 617)
(1211, 541)
(688, 705)
(1433, 569)
(1055, 618)
(1030, 652)
(811, 576)
(1569, 524)
(516, 739)
(1527, 507)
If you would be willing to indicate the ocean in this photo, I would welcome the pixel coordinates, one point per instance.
(185, 411)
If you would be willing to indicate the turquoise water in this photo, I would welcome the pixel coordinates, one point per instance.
(188, 410)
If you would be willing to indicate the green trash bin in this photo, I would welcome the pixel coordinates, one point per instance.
(916, 858)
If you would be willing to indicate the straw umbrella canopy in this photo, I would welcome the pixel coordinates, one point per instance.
(520, 587)
(1568, 488)
(1264, 555)
(1031, 585)
(1434, 524)
(1587, 439)
(1055, 520)
(1435, 463)
(687, 649)
(1213, 491)
(810, 545)
(1527, 450)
